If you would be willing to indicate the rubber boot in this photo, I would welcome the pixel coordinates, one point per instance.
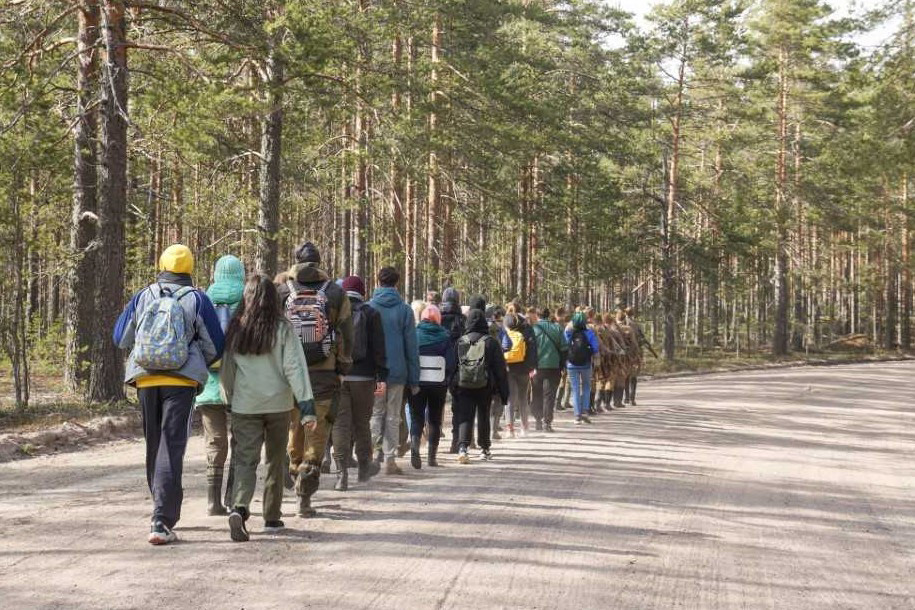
(215, 507)
(306, 485)
(415, 460)
(342, 483)
(433, 451)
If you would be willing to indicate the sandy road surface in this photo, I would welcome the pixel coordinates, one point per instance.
(788, 489)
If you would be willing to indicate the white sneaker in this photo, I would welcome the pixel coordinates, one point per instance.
(160, 534)
(463, 458)
(485, 455)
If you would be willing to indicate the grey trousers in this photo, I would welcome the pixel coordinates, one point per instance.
(519, 385)
(545, 386)
(387, 415)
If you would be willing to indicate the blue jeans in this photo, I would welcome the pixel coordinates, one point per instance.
(581, 390)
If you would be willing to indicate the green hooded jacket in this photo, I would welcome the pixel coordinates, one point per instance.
(227, 289)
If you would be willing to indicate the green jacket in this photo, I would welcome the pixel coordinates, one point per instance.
(552, 347)
(269, 383)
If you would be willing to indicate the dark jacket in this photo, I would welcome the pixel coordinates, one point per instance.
(374, 365)
(495, 360)
(552, 347)
(445, 348)
(453, 319)
(530, 352)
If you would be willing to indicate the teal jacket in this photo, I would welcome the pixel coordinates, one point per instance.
(552, 347)
(227, 289)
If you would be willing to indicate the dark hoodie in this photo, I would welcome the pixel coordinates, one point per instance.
(477, 329)
(453, 319)
(519, 324)
(307, 276)
(477, 302)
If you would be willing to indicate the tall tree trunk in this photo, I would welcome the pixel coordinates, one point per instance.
(81, 276)
(780, 337)
(433, 195)
(905, 330)
(106, 374)
(268, 222)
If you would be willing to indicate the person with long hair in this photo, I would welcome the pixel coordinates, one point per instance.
(264, 371)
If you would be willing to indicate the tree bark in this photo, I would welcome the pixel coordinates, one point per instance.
(81, 276)
(106, 374)
(268, 222)
(780, 337)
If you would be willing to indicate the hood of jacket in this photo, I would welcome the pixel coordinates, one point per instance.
(429, 333)
(308, 273)
(386, 297)
(453, 297)
(228, 281)
(178, 279)
(476, 322)
(477, 302)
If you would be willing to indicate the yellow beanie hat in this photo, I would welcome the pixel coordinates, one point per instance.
(177, 259)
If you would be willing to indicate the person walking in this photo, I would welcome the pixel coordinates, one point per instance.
(481, 373)
(366, 378)
(583, 346)
(173, 335)
(225, 292)
(264, 373)
(495, 318)
(638, 354)
(552, 352)
(437, 363)
(403, 367)
(322, 318)
(520, 347)
(453, 319)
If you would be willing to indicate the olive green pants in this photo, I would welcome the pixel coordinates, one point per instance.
(251, 433)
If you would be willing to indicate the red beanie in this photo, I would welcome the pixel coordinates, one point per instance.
(354, 283)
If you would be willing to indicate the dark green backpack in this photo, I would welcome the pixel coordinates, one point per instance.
(472, 373)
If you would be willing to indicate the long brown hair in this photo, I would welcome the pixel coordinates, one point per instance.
(253, 327)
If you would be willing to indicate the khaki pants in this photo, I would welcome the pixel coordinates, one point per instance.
(352, 423)
(307, 446)
(251, 432)
(215, 436)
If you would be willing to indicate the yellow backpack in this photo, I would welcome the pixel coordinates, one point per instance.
(519, 347)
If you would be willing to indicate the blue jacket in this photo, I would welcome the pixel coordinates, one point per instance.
(204, 335)
(399, 336)
(592, 341)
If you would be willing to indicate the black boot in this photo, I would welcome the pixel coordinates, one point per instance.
(626, 391)
(433, 451)
(342, 478)
(214, 496)
(633, 382)
(415, 460)
(618, 397)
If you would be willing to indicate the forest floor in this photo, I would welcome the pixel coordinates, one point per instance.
(769, 489)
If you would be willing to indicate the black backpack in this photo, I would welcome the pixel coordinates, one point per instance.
(580, 349)
(360, 332)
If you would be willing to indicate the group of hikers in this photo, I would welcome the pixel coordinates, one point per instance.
(318, 376)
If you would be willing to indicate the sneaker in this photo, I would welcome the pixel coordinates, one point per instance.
(486, 455)
(578, 421)
(237, 528)
(391, 467)
(548, 428)
(160, 534)
(463, 458)
(274, 527)
(586, 419)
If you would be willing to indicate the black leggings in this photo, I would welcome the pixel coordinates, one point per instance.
(433, 399)
(470, 403)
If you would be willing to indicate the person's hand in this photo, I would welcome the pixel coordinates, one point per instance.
(310, 426)
(414, 390)
(380, 388)
(533, 374)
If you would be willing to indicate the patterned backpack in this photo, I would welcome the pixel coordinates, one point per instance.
(307, 310)
(161, 339)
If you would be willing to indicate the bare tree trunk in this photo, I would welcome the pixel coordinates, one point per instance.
(81, 276)
(106, 374)
(433, 195)
(268, 223)
(780, 337)
(905, 331)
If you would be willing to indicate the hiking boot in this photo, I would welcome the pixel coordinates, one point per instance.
(586, 419)
(391, 467)
(415, 459)
(214, 499)
(486, 455)
(274, 527)
(548, 428)
(368, 470)
(433, 461)
(538, 426)
(160, 534)
(237, 529)
(306, 511)
(342, 483)
(308, 482)
(463, 458)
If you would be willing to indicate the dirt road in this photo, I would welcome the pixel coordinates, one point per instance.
(787, 489)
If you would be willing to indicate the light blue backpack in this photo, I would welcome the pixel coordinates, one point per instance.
(161, 339)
